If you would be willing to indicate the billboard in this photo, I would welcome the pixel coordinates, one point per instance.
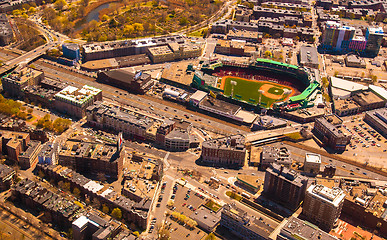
(120, 142)
(138, 75)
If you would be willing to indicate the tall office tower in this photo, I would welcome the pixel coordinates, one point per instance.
(374, 37)
(322, 205)
(285, 185)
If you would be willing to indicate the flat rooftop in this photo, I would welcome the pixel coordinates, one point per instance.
(250, 180)
(5, 171)
(176, 72)
(308, 55)
(347, 85)
(248, 117)
(160, 50)
(366, 98)
(312, 158)
(300, 229)
(332, 195)
(263, 227)
(220, 105)
(236, 142)
(76, 95)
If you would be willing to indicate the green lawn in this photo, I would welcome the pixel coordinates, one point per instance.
(212, 205)
(234, 195)
(248, 91)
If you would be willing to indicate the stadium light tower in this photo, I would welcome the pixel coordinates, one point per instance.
(287, 92)
(233, 84)
(260, 96)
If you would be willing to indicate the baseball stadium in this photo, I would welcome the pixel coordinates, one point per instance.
(264, 83)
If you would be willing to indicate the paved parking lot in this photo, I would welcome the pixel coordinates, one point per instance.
(367, 145)
(182, 203)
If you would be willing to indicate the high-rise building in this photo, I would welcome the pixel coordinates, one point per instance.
(337, 37)
(74, 101)
(330, 133)
(243, 225)
(374, 37)
(285, 185)
(322, 205)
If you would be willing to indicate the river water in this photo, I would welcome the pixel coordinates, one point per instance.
(93, 15)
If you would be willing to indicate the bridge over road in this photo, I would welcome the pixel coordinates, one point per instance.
(260, 137)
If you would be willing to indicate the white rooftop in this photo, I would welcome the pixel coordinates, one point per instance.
(198, 96)
(333, 195)
(106, 192)
(74, 94)
(93, 186)
(312, 158)
(340, 93)
(380, 91)
(247, 117)
(376, 30)
(347, 85)
(81, 221)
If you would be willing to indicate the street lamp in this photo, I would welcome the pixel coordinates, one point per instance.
(233, 84)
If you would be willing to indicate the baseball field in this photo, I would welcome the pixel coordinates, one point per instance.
(248, 91)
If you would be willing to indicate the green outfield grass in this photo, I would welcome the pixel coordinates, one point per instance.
(248, 91)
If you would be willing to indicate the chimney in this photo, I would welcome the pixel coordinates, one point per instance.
(281, 169)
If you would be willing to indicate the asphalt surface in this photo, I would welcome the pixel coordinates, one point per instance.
(138, 101)
(342, 169)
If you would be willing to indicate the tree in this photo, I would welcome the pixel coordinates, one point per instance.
(374, 78)
(116, 213)
(61, 184)
(22, 115)
(41, 174)
(47, 125)
(128, 30)
(192, 223)
(67, 186)
(96, 203)
(183, 21)
(59, 4)
(170, 203)
(16, 12)
(60, 125)
(105, 18)
(163, 234)
(268, 54)
(85, 2)
(176, 216)
(210, 236)
(183, 218)
(138, 28)
(76, 192)
(105, 209)
(31, 10)
(325, 82)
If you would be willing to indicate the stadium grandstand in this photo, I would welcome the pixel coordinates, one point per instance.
(263, 83)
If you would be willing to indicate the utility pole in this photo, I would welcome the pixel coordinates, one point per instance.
(233, 83)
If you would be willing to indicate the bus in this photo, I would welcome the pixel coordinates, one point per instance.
(245, 195)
